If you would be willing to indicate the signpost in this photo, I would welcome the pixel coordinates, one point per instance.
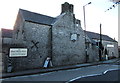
(47, 62)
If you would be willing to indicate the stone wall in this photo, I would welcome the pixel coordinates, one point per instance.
(93, 53)
(64, 50)
(5, 57)
(36, 38)
(18, 29)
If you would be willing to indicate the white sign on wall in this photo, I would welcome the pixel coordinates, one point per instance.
(110, 45)
(18, 52)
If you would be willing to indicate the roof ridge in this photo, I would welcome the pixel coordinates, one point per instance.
(98, 33)
(105, 37)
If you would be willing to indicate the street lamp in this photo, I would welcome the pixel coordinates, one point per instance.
(85, 30)
(84, 14)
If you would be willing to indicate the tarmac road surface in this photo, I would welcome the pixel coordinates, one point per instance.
(108, 76)
(66, 75)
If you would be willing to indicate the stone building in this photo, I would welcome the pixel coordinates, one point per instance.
(109, 44)
(6, 42)
(61, 40)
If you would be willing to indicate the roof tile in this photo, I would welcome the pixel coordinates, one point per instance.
(37, 18)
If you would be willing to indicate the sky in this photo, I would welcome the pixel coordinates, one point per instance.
(95, 13)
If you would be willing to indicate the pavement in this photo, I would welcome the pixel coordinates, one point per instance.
(65, 75)
(36, 71)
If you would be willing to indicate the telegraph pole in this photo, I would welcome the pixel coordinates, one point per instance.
(100, 44)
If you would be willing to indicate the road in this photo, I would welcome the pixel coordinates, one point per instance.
(108, 76)
(66, 75)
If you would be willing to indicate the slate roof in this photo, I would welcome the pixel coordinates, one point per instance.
(93, 35)
(7, 33)
(37, 18)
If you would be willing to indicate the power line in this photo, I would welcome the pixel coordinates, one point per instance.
(113, 6)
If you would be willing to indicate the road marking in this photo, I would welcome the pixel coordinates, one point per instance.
(81, 77)
(109, 70)
(47, 73)
(91, 75)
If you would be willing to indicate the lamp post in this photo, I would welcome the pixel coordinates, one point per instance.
(85, 30)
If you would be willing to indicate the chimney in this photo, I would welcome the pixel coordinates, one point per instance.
(66, 7)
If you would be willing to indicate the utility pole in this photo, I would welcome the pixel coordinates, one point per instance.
(100, 44)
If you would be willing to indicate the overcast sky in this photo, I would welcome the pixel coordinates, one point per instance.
(94, 13)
